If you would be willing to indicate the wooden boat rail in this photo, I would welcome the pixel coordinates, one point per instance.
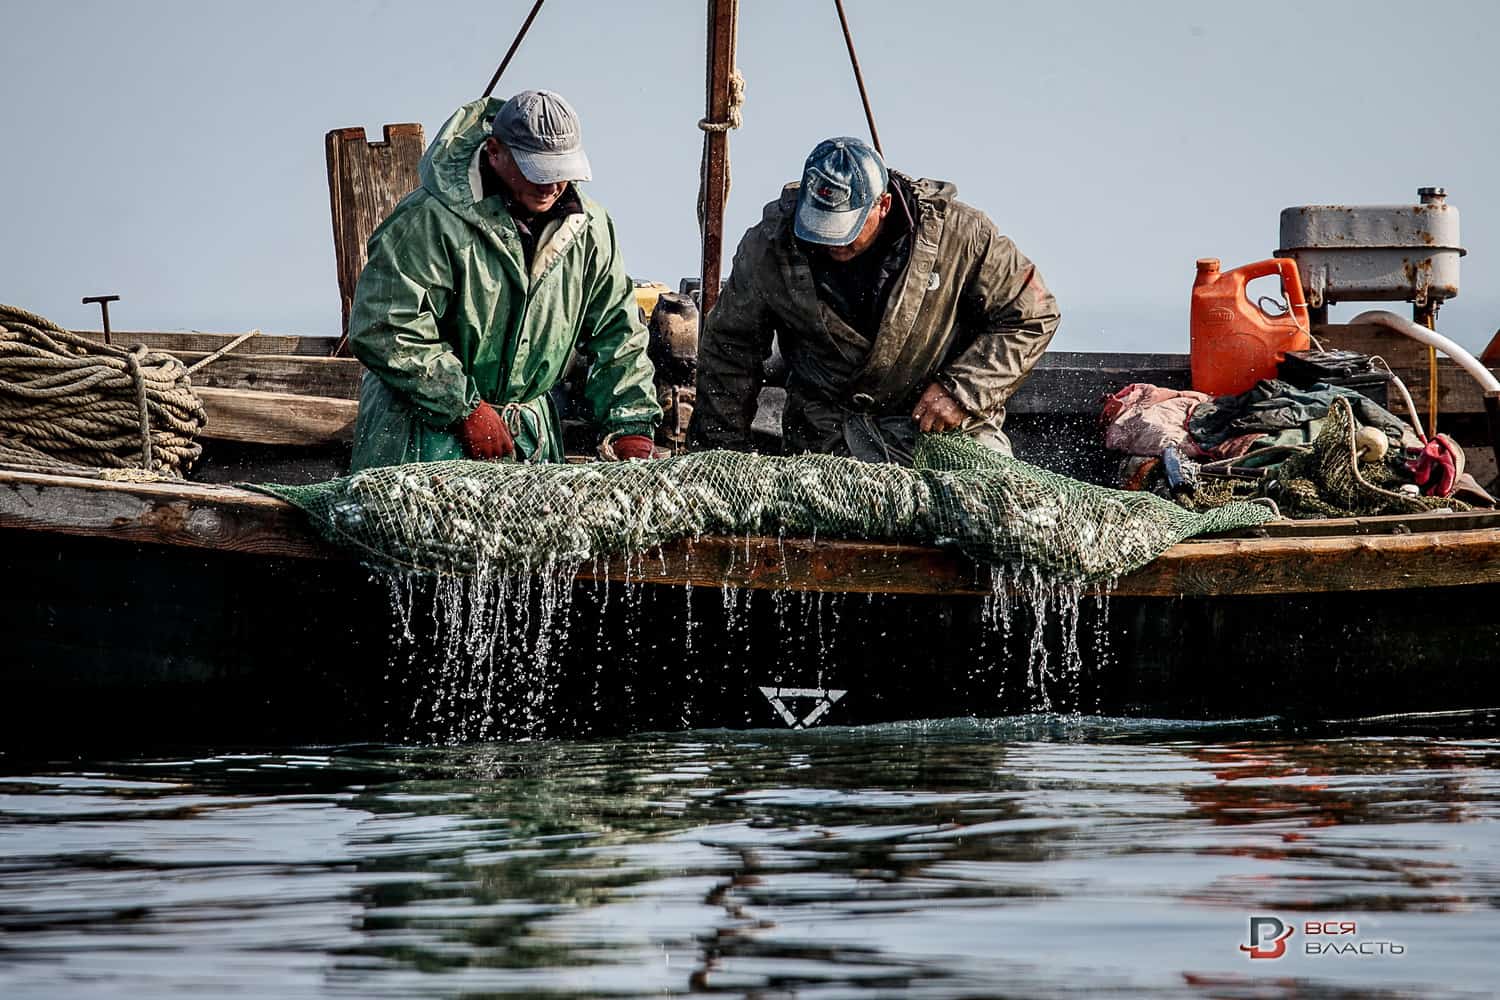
(282, 390)
(1392, 553)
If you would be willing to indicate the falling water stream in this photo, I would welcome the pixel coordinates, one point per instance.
(487, 656)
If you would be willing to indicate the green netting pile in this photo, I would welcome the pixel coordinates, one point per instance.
(472, 518)
(1329, 480)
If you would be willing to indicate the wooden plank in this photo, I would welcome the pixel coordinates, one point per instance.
(337, 378)
(1114, 360)
(365, 181)
(1318, 565)
(195, 340)
(225, 517)
(713, 191)
(1368, 338)
(176, 514)
(1202, 569)
(1383, 525)
(276, 417)
(1063, 388)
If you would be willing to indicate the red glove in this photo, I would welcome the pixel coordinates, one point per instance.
(485, 436)
(1438, 466)
(632, 446)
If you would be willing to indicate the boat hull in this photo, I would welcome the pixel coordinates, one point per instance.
(115, 642)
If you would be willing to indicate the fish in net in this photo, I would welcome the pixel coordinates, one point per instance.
(493, 518)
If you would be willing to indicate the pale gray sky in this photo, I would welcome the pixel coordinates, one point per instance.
(171, 151)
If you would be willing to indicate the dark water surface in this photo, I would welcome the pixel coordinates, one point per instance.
(1026, 857)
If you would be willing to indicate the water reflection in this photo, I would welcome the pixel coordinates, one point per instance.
(1023, 857)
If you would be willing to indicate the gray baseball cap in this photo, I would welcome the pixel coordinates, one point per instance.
(541, 131)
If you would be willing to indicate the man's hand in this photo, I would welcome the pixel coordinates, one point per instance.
(631, 446)
(485, 436)
(938, 411)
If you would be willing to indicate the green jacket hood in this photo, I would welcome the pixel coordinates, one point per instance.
(449, 169)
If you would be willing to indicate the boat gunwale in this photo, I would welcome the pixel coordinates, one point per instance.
(1412, 552)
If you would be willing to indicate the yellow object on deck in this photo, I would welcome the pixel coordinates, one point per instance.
(646, 294)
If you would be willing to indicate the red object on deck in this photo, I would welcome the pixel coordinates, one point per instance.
(1234, 343)
(1491, 355)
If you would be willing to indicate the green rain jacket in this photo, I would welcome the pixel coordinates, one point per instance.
(446, 315)
(969, 312)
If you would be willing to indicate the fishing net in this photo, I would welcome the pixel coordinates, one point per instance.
(478, 518)
(1329, 480)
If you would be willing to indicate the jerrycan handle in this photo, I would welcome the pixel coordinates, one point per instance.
(1291, 285)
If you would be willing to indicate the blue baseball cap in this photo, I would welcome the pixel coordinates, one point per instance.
(841, 181)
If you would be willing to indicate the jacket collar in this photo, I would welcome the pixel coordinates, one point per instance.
(905, 303)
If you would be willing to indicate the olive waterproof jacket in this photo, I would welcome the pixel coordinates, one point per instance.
(446, 314)
(969, 312)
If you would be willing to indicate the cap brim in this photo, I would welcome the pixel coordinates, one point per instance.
(833, 229)
(552, 168)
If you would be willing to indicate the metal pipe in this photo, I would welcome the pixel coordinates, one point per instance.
(104, 301)
(513, 46)
(859, 78)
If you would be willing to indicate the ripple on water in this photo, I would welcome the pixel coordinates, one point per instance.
(1032, 856)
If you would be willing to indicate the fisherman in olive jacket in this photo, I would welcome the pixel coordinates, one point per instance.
(478, 288)
(896, 307)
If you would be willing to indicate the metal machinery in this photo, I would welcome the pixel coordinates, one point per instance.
(1376, 253)
(1389, 253)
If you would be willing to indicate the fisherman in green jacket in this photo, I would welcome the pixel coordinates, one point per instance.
(478, 288)
(896, 307)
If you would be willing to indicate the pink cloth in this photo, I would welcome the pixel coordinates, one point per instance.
(1144, 419)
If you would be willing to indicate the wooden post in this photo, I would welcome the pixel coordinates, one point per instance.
(365, 181)
(722, 15)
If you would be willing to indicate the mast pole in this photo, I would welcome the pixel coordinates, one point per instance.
(722, 15)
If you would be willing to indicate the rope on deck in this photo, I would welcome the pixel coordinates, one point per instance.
(68, 401)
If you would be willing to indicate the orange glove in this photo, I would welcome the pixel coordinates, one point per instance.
(628, 446)
(485, 436)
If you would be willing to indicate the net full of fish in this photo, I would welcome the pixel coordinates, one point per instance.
(487, 518)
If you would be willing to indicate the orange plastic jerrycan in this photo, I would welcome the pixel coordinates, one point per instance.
(1235, 343)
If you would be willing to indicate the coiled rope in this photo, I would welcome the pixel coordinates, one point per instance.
(68, 402)
(736, 105)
